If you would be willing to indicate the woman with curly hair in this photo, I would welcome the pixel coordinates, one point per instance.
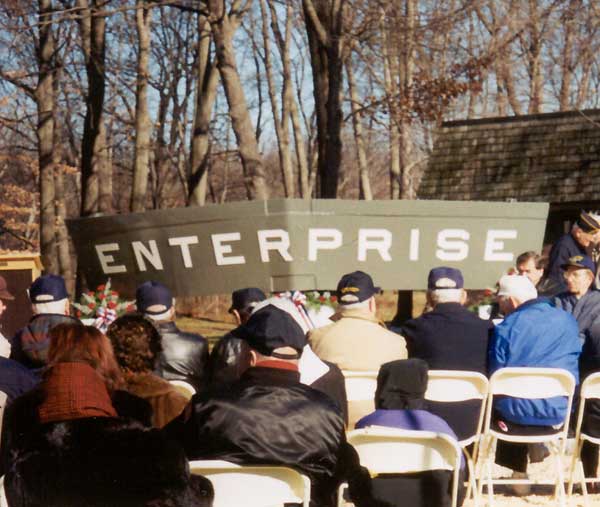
(137, 346)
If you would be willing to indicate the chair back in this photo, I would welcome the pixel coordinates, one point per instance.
(360, 385)
(590, 389)
(531, 383)
(184, 388)
(389, 450)
(3, 399)
(253, 486)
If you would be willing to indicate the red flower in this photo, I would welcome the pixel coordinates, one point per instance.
(333, 299)
(322, 299)
(91, 293)
(114, 293)
(78, 313)
(92, 305)
(488, 292)
(101, 296)
(101, 287)
(112, 305)
(130, 308)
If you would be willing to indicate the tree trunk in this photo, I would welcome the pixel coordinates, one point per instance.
(324, 21)
(143, 124)
(361, 155)
(567, 56)
(254, 172)
(406, 80)
(44, 95)
(206, 93)
(65, 263)
(93, 145)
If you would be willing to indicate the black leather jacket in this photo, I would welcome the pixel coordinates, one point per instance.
(184, 356)
(268, 417)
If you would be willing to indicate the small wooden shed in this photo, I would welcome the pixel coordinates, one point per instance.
(19, 269)
(552, 157)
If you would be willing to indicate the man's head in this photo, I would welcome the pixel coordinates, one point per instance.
(445, 285)
(531, 265)
(243, 302)
(272, 333)
(4, 295)
(356, 290)
(513, 291)
(586, 230)
(579, 272)
(48, 294)
(155, 300)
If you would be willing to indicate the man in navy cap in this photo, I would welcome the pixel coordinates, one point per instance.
(357, 340)
(269, 417)
(581, 240)
(185, 355)
(50, 306)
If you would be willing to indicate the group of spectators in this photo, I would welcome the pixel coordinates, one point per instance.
(98, 414)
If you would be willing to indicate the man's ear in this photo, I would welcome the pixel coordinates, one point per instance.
(372, 304)
(67, 310)
(463, 297)
(237, 316)
(253, 358)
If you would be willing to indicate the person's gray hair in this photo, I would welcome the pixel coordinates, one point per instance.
(438, 296)
(160, 317)
(361, 305)
(56, 307)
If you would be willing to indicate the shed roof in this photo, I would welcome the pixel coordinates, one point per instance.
(553, 157)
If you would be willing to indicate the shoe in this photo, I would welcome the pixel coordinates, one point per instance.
(519, 489)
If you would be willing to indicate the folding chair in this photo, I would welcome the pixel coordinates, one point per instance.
(3, 500)
(528, 383)
(385, 450)
(360, 391)
(456, 386)
(590, 389)
(3, 397)
(184, 388)
(253, 486)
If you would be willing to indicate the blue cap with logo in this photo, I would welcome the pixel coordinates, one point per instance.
(444, 277)
(581, 262)
(356, 287)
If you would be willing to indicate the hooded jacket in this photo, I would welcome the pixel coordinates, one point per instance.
(30, 344)
(535, 335)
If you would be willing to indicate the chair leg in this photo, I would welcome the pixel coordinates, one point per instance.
(560, 479)
(573, 466)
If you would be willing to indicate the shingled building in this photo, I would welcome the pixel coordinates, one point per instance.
(551, 158)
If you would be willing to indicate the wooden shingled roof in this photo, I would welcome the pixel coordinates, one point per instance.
(551, 157)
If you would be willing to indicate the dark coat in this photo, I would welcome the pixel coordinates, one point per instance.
(268, 417)
(450, 337)
(586, 311)
(565, 247)
(96, 462)
(184, 356)
(16, 379)
(227, 364)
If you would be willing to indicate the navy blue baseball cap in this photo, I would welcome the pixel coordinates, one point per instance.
(153, 295)
(48, 288)
(580, 262)
(244, 298)
(588, 223)
(445, 278)
(356, 287)
(271, 328)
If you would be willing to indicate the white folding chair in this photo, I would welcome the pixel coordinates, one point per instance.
(253, 486)
(3, 398)
(590, 389)
(360, 391)
(3, 500)
(528, 383)
(184, 388)
(456, 386)
(385, 450)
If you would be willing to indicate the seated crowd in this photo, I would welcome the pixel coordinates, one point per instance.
(99, 413)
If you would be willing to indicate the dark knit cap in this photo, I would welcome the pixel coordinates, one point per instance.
(401, 385)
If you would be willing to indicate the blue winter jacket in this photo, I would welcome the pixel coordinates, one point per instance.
(536, 334)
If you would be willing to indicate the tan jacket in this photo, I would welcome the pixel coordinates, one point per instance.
(357, 341)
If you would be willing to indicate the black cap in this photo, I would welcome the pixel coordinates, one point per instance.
(151, 294)
(445, 278)
(48, 288)
(270, 328)
(402, 384)
(243, 298)
(587, 223)
(355, 287)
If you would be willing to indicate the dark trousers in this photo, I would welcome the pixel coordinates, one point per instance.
(514, 455)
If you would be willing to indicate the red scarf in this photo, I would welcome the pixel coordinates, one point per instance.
(74, 391)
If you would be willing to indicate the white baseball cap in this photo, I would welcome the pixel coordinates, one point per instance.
(517, 286)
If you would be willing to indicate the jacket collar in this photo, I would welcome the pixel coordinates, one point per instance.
(355, 313)
(449, 308)
(274, 376)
